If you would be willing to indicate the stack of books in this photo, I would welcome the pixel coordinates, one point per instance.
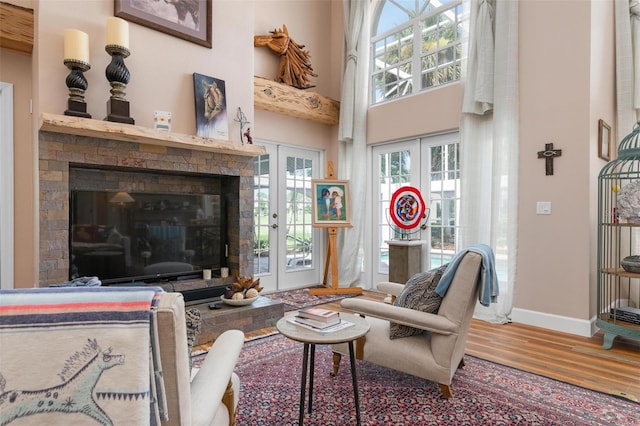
(627, 314)
(321, 320)
(317, 317)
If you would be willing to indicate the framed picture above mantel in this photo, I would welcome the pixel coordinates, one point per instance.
(186, 19)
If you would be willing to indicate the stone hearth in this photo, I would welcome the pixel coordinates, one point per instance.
(70, 146)
(262, 313)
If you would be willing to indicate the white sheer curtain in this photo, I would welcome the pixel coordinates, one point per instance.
(352, 135)
(489, 142)
(627, 16)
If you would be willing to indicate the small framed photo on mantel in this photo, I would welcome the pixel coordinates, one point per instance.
(604, 140)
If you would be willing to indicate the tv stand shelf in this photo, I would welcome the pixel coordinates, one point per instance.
(129, 133)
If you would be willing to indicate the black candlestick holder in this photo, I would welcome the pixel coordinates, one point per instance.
(77, 84)
(118, 76)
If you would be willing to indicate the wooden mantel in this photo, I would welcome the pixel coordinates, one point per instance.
(276, 97)
(129, 133)
(16, 27)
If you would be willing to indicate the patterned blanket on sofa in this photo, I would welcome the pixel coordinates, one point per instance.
(77, 356)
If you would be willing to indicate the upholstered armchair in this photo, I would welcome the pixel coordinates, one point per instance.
(211, 397)
(436, 353)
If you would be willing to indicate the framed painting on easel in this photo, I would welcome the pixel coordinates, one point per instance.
(330, 201)
(331, 205)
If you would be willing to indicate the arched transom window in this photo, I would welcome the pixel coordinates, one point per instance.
(416, 45)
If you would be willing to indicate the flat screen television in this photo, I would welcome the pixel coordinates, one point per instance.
(123, 237)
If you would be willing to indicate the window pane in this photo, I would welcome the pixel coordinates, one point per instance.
(298, 214)
(445, 196)
(440, 26)
(394, 173)
(393, 46)
(261, 214)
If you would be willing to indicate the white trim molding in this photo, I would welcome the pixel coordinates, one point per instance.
(6, 185)
(585, 328)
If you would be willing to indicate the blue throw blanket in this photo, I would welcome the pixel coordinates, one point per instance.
(488, 291)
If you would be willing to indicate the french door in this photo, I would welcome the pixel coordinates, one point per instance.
(288, 251)
(431, 164)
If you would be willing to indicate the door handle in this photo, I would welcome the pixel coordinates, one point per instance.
(274, 226)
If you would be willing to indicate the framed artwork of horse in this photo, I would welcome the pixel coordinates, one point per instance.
(187, 19)
(211, 107)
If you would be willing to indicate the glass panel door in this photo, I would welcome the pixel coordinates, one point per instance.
(444, 197)
(298, 242)
(391, 170)
(432, 165)
(284, 240)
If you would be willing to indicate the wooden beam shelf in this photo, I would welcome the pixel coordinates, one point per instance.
(16, 28)
(130, 133)
(282, 99)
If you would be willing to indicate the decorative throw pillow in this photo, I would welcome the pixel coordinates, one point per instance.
(194, 325)
(419, 294)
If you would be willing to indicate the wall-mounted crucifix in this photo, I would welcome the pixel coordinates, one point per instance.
(548, 154)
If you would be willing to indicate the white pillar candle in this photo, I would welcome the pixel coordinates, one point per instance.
(117, 32)
(206, 274)
(76, 45)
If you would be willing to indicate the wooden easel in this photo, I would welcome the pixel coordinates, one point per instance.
(332, 257)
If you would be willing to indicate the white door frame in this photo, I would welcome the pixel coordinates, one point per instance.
(279, 277)
(6, 186)
(413, 146)
(298, 277)
(420, 177)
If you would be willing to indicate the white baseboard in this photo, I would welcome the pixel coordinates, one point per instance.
(585, 328)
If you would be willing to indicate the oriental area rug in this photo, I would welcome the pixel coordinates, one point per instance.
(298, 299)
(485, 393)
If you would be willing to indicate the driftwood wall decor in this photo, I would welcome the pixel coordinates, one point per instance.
(295, 66)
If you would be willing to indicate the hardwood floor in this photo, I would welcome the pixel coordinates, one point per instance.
(573, 359)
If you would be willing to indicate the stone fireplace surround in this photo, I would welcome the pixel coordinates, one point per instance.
(68, 143)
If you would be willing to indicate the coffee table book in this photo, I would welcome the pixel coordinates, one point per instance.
(331, 329)
(319, 314)
(316, 324)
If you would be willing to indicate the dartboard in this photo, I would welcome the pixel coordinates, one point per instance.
(407, 207)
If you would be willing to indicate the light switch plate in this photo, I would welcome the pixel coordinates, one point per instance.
(543, 207)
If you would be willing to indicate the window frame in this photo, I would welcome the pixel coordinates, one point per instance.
(413, 81)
